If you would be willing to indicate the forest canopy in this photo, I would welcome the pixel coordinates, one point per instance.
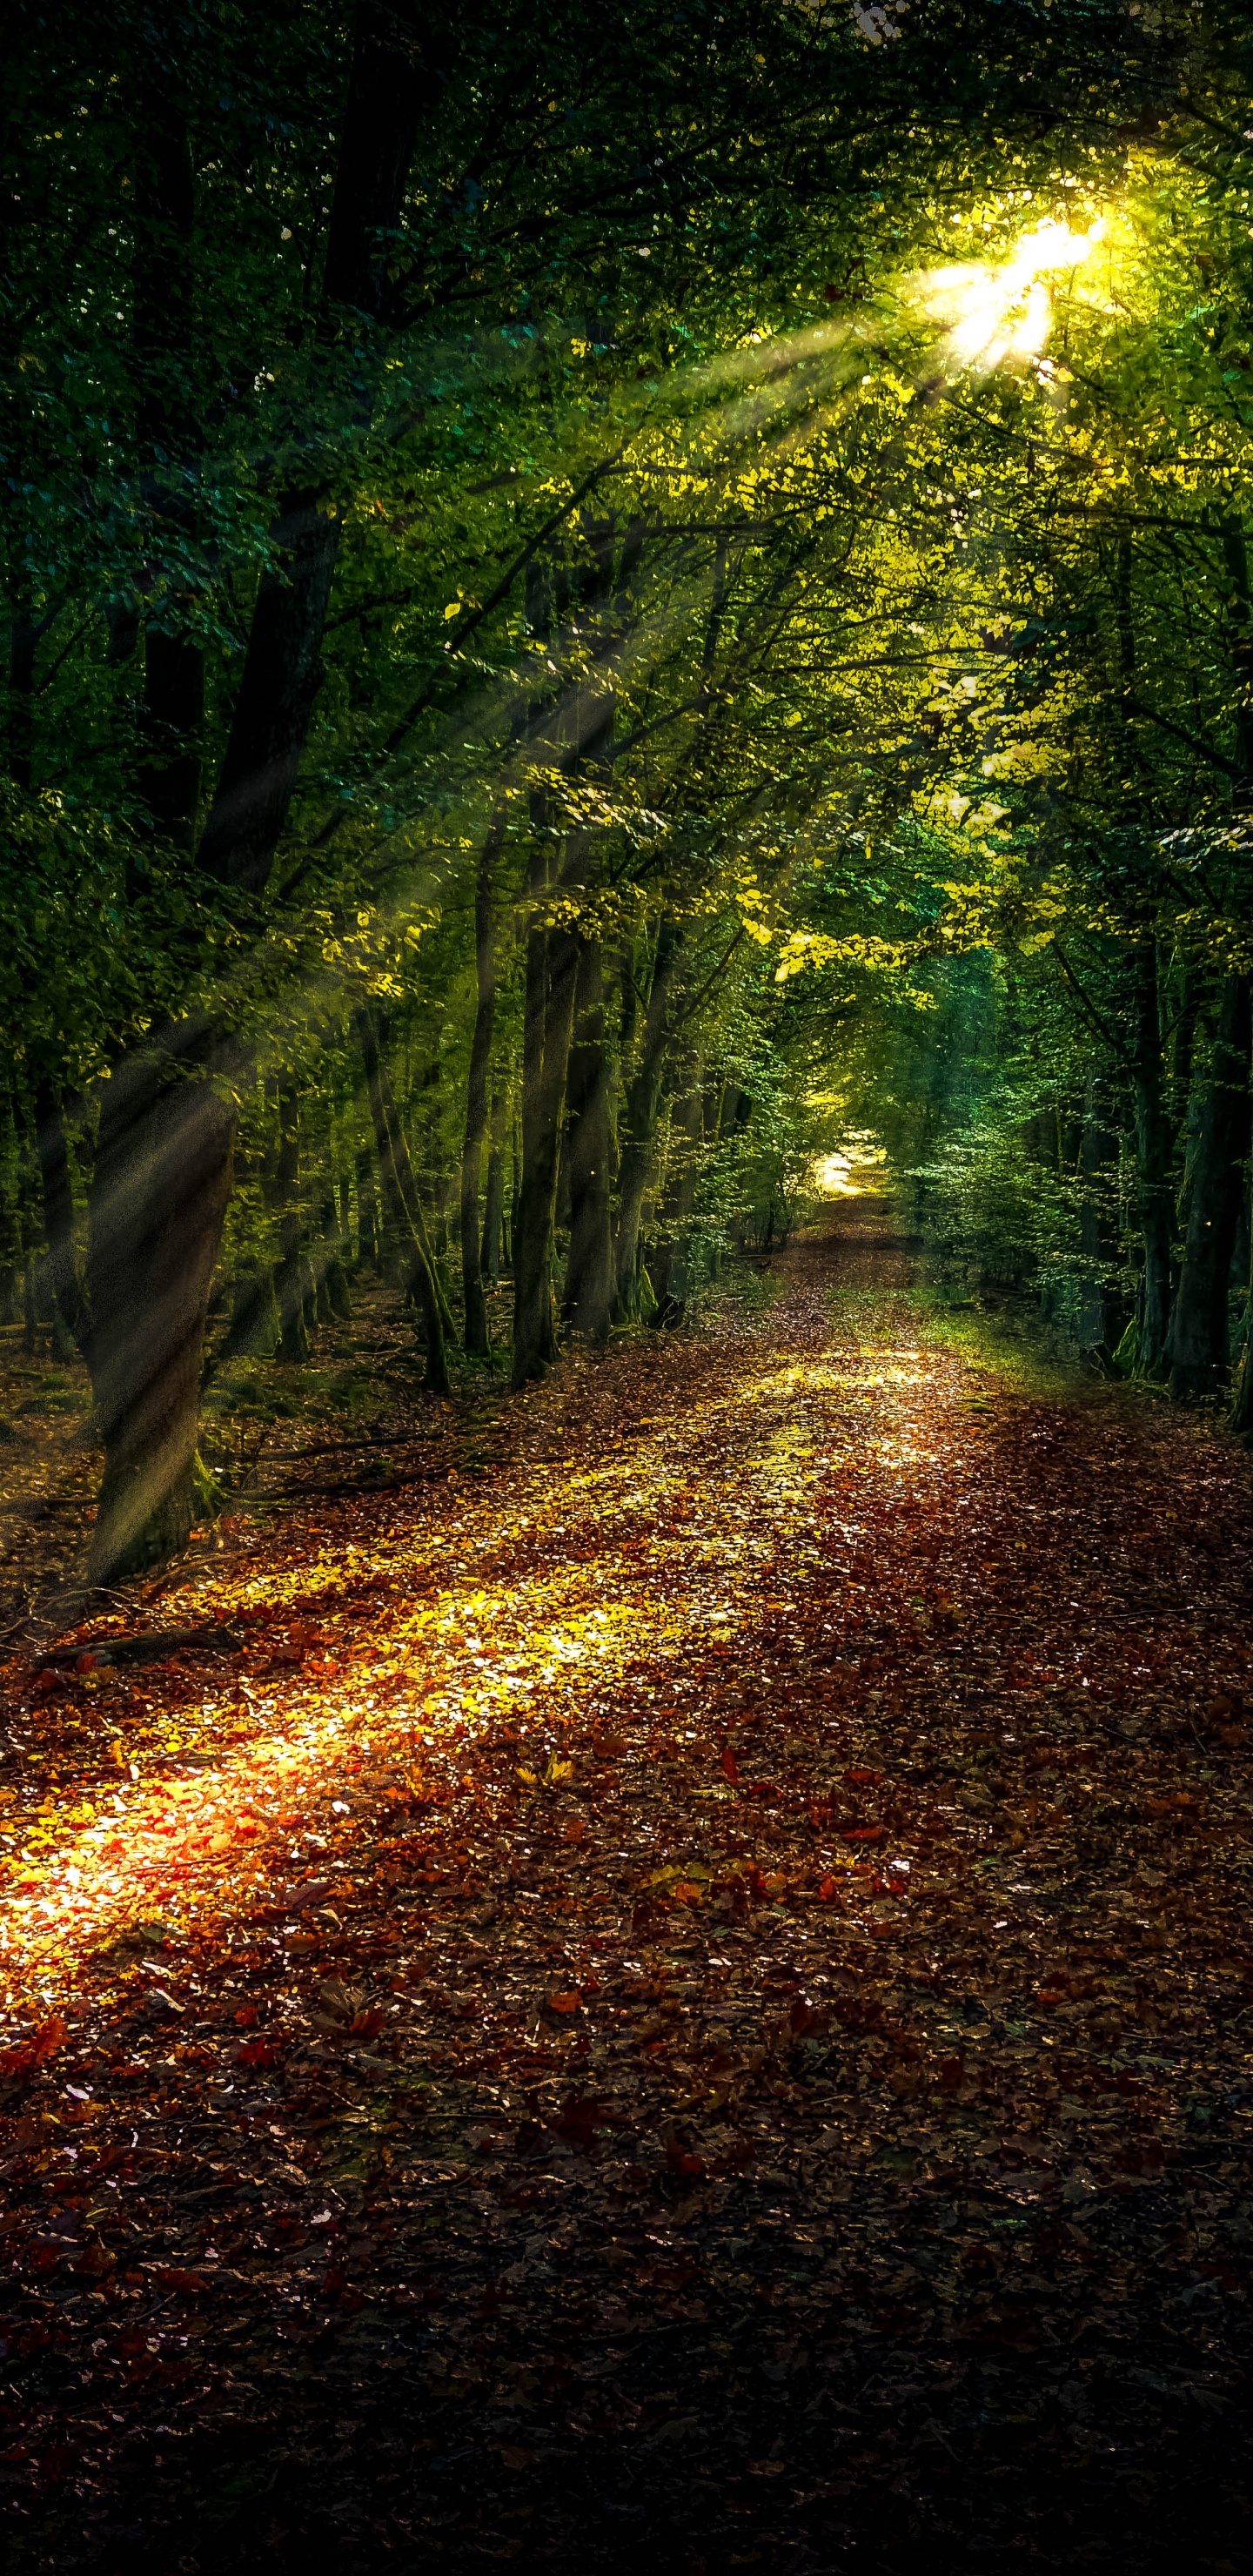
(596, 601)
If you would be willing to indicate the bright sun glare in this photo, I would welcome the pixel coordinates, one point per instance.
(1004, 312)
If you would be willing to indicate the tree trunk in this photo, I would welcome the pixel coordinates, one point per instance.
(160, 1190)
(255, 1326)
(580, 738)
(332, 1275)
(402, 54)
(369, 1228)
(291, 1277)
(165, 1168)
(52, 1148)
(281, 677)
(1154, 1144)
(1098, 1322)
(669, 1269)
(401, 1196)
(1199, 1330)
(1237, 561)
(536, 1169)
(414, 1210)
(1184, 1047)
(639, 1124)
(1240, 648)
(1242, 1406)
(10, 1211)
(494, 1194)
(551, 970)
(477, 1337)
(589, 1269)
(515, 1187)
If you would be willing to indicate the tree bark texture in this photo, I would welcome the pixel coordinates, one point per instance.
(639, 1123)
(477, 1336)
(535, 1199)
(331, 1273)
(402, 55)
(1099, 1329)
(1242, 1402)
(281, 677)
(1183, 1048)
(255, 1325)
(1199, 1329)
(52, 1150)
(589, 1287)
(401, 1196)
(369, 1246)
(1240, 646)
(669, 1269)
(548, 1022)
(176, 1190)
(292, 1276)
(160, 1189)
(1154, 1149)
(494, 1247)
(578, 738)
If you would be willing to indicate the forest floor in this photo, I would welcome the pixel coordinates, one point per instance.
(681, 1996)
(350, 1419)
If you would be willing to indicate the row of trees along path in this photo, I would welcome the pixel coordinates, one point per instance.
(686, 2003)
(586, 599)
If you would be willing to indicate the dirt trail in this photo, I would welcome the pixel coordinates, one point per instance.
(685, 1997)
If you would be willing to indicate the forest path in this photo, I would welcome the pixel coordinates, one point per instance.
(683, 1996)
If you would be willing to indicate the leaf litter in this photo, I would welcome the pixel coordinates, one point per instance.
(690, 1997)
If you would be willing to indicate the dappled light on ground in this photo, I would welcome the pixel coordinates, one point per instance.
(464, 1632)
(711, 1949)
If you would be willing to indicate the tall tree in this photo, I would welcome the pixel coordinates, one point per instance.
(162, 1175)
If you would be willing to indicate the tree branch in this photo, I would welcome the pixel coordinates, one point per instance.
(1114, 1043)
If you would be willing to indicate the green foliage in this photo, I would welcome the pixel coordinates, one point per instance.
(727, 405)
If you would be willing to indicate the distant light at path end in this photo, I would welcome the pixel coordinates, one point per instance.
(854, 1170)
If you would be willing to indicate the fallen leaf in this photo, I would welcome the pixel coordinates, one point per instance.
(33, 2053)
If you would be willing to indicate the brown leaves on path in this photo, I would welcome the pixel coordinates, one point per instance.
(732, 1927)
